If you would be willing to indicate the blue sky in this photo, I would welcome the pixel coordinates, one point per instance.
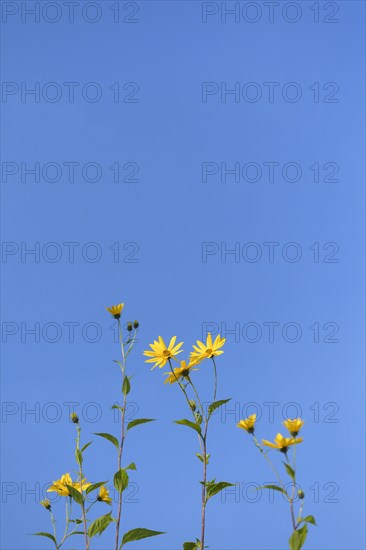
(130, 201)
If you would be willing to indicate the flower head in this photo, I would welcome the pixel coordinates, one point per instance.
(46, 504)
(59, 486)
(103, 495)
(116, 310)
(248, 423)
(180, 372)
(281, 443)
(161, 353)
(293, 426)
(208, 350)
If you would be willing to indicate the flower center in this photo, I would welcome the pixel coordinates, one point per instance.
(167, 353)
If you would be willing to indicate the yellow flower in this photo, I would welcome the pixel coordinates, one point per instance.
(281, 443)
(160, 353)
(293, 426)
(180, 372)
(81, 485)
(46, 504)
(208, 350)
(248, 423)
(59, 486)
(116, 310)
(104, 495)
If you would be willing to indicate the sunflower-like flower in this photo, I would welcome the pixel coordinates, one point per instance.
(248, 423)
(180, 372)
(46, 504)
(116, 310)
(161, 353)
(81, 484)
(103, 495)
(293, 426)
(208, 350)
(59, 486)
(281, 443)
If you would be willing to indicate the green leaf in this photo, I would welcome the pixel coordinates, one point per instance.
(131, 466)
(120, 480)
(138, 534)
(213, 488)
(298, 537)
(117, 407)
(78, 456)
(290, 471)
(110, 438)
(198, 418)
(308, 519)
(99, 525)
(74, 493)
(95, 486)
(190, 546)
(274, 487)
(48, 535)
(198, 455)
(76, 533)
(216, 404)
(138, 421)
(86, 446)
(126, 386)
(190, 424)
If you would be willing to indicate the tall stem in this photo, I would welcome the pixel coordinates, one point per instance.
(203, 506)
(87, 542)
(123, 433)
(54, 529)
(119, 464)
(215, 375)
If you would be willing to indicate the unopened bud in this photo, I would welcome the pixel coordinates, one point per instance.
(192, 404)
(129, 327)
(300, 494)
(136, 324)
(74, 418)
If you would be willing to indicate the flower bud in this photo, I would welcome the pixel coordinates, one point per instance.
(46, 504)
(136, 324)
(74, 418)
(192, 404)
(129, 327)
(300, 494)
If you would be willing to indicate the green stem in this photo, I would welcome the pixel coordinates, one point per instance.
(68, 514)
(54, 529)
(87, 542)
(198, 399)
(256, 443)
(215, 375)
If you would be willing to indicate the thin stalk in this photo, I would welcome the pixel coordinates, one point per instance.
(119, 464)
(294, 524)
(54, 529)
(68, 514)
(215, 375)
(198, 399)
(123, 430)
(87, 542)
(204, 502)
(256, 443)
